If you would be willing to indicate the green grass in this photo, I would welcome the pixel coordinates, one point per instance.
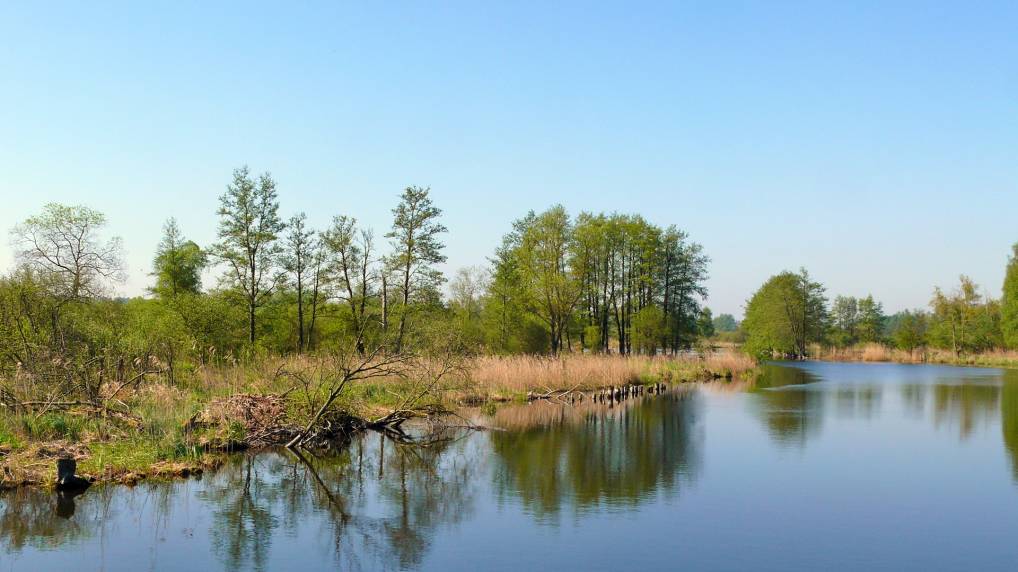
(50, 426)
(136, 455)
(9, 440)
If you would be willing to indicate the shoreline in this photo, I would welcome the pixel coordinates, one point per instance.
(130, 459)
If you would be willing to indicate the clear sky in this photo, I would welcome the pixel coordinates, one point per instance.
(872, 142)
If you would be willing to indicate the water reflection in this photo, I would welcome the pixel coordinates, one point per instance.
(37, 518)
(792, 402)
(591, 457)
(789, 408)
(381, 503)
(1009, 417)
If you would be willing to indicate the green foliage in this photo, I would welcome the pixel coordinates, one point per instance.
(53, 426)
(9, 440)
(416, 250)
(871, 320)
(649, 328)
(705, 323)
(63, 249)
(249, 226)
(855, 321)
(725, 323)
(785, 315)
(591, 278)
(178, 263)
(1009, 303)
(963, 320)
(909, 332)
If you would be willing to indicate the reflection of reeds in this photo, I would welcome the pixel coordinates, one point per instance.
(555, 413)
(519, 374)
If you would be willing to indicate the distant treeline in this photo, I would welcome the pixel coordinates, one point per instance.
(595, 282)
(791, 311)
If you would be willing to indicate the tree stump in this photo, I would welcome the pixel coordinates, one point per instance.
(66, 479)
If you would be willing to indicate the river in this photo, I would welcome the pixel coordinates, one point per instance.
(815, 466)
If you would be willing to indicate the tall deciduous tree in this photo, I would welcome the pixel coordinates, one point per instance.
(725, 323)
(550, 290)
(349, 254)
(785, 315)
(910, 331)
(302, 261)
(871, 320)
(249, 226)
(705, 323)
(1009, 303)
(178, 263)
(964, 320)
(416, 250)
(63, 247)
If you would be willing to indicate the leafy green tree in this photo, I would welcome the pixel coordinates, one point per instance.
(963, 320)
(178, 263)
(725, 323)
(504, 314)
(1009, 303)
(249, 226)
(349, 252)
(549, 290)
(64, 249)
(871, 321)
(466, 298)
(910, 331)
(844, 321)
(785, 315)
(705, 323)
(416, 251)
(302, 260)
(649, 328)
(684, 272)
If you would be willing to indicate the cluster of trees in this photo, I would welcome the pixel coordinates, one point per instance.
(790, 312)
(603, 283)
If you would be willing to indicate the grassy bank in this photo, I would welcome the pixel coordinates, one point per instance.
(168, 429)
(882, 353)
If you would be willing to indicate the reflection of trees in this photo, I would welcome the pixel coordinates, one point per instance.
(617, 457)
(1009, 417)
(242, 519)
(426, 487)
(376, 504)
(28, 518)
(419, 488)
(790, 408)
(967, 403)
(858, 401)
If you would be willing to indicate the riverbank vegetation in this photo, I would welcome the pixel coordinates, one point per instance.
(282, 334)
(791, 316)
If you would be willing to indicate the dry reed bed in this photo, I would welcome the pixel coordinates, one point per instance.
(873, 352)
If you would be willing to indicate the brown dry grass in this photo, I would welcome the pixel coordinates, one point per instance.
(873, 352)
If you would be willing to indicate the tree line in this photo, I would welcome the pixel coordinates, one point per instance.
(556, 283)
(791, 311)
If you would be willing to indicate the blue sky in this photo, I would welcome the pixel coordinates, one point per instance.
(872, 142)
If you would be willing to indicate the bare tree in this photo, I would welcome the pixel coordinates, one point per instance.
(62, 245)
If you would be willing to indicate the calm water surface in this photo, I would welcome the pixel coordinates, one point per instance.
(817, 466)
